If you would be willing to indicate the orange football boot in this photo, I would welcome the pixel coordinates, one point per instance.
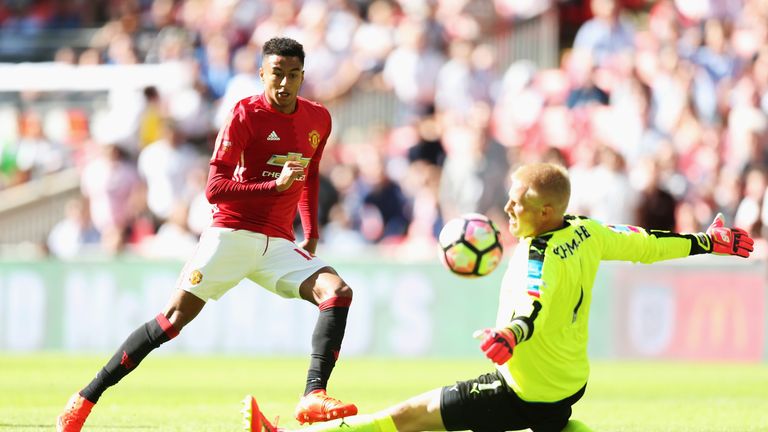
(253, 418)
(74, 415)
(317, 406)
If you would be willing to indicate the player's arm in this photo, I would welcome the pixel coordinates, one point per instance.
(309, 201)
(630, 243)
(498, 343)
(220, 186)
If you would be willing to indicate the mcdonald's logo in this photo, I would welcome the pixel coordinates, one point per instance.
(714, 315)
(717, 322)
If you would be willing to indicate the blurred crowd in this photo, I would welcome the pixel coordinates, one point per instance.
(658, 108)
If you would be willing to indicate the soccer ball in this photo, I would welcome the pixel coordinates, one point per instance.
(470, 245)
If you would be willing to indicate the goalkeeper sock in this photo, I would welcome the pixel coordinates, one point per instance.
(576, 426)
(326, 341)
(140, 343)
(360, 423)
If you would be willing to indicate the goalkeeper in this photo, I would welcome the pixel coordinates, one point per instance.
(539, 343)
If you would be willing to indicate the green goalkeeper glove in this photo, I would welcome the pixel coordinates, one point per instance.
(729, 241)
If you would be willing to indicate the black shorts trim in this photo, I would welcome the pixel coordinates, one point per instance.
(488, 404)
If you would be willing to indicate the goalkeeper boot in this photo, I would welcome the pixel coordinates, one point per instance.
(317, 406)
(74, 415)
(253, 418)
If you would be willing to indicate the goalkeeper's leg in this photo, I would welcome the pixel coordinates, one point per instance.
(576, 426)
(421, 413)
(358, 423)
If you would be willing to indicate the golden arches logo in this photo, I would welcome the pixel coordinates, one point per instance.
(314, 138)
(719, 322)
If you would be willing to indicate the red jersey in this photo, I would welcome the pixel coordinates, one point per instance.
(249, 155)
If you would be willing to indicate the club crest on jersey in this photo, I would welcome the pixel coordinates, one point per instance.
(314, 138)
(195, 277)
(226, 145)
(280, 160)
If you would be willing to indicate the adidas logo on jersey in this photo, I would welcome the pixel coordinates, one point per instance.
(273, 137)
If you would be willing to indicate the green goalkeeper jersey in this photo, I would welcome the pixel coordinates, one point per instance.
(547, 291)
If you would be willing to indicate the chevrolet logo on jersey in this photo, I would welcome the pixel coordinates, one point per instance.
(280, 160)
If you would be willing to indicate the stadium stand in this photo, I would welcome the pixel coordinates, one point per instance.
(675, 113)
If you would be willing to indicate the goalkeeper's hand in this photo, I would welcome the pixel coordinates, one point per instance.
(729, 241)
(497, 344)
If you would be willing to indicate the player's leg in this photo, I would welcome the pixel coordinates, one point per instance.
(333, 297)
(217, 266)
(292, 273)
(182, 308)
(555, 416)
(420, 413)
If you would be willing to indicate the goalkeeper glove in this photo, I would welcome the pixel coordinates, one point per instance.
(729, 241)
(497, 344)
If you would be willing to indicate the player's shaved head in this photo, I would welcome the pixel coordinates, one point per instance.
(547, 183)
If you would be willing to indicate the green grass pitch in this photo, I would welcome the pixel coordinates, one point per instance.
(188, 393)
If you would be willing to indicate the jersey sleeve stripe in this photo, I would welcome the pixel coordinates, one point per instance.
(536, 252)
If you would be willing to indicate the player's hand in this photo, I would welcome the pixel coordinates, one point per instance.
(292, 170)
(497, 344)
(729, 241)
(309, 245)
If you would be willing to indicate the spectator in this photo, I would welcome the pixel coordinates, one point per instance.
(475, 167)
(613, 198)
(429, 146)
(111, 184)
(329, 74)
(74, 236)
(200, 212)
(658, 209)
(606, 34)
(152, 118)
(422, 188)
(748, 212)
(410, 70)
(714, 56)
(36, 154)
(584, 89)
(375, 38)
(245, 82)
(173, 239)
(281, 21)
(340, 236)
(464, 79)
(216, 70)
(164, 165)
(383, 203)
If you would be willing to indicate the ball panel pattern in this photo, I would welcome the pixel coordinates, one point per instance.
(470, 245)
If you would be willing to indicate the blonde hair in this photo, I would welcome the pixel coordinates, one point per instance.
(548, 184)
